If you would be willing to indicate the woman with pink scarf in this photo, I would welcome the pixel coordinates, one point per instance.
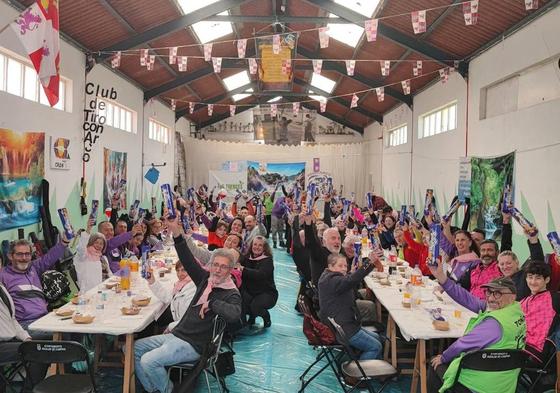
(466, 255)
(89, 259)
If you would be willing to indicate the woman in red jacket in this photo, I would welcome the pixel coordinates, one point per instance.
(417, 252)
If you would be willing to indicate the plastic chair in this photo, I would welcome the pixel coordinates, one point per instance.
(210, 356)
(47, 352)
(364, 371)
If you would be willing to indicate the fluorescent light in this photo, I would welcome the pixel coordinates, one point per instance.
(240, 96)
(237, 80)
(322, 83)
(277, 98)
(364, 7)
(347, 33)
(189, 6)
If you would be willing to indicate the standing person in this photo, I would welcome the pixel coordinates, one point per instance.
(283, 123)
(308, 129)
(268, 203)
(319, 250)
(277, 227)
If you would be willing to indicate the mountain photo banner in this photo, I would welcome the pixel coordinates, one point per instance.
(264, 177)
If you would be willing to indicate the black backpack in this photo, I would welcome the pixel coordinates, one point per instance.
(55, 285)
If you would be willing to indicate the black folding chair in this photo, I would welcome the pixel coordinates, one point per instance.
(47, 352)
(539, 375)
(364, 371)
(8, 373)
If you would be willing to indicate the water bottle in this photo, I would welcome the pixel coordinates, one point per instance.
(99, 305)
(81, 307)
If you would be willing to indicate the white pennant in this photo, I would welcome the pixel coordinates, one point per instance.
(317, 66)
(418, 21)
(286, 66)
(380, 93)
(241, 47)
(276, 44)
(371, 29)
(531, 4)
(417, 68)
(323, 37)
(116, 60)
(143, 57)
(232, 110)
(173, 104)
(182, 63)
(173, 55)
(252, 66)
(385, 67)
(350, 66)
(207, 52)
(470, 12)
(273, 110)
(191, 107)
(295, 107)
(354, 102)
(210, 109)
(444, 74)
(217, 64)
(151, 62)
(323, 105)
(406, 86)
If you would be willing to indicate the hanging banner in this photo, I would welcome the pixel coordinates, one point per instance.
(270, 68)
(21, 170)
(228, 180)
(265, 177)
(114, 177)
(464, 187)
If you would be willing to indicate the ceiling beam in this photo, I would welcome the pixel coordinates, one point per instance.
(170, 27)
(223, 116)
(317, 20)
(332, 117)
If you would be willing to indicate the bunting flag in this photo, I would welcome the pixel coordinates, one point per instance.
(385, 67)
(38, 31)
(273, 110)
(380, 93)
(417, 68)
(208, 52)
(444, 74)
(456, 64)
(317, 66)
(150, 63)
(173, 55)
(276, 44)
(116, 60)
(232, 110)
(295, 108)
(354, 102)
(323, 37)
(173, 104)
(252, 66)
(286, 66)
(418, 21)
(470, 12)
(350, 65)
(371, 29)
(143, 57)
(531, 4)
(406, 86)
(182, 63)
(323, 105)
(241, 48)
(217, 64)
(191, 107)
(210, 109)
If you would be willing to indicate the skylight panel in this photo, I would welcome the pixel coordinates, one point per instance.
(275, 99)
(237, 80)
(208, 31)
(364, 7)
(347, 33)
(240, 96)
(189, 6)
(322, 83)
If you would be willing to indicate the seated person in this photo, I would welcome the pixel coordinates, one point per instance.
(217, 232)
(252, 229)
(258, 289)
(203, 255)
(116, 245)
(386, 235)
(485, 271)
(89, 258)
(500, 324)
(465, 251)
(134, 244)
(337, 301)
(416, 252)
(216, 294)
(22, 279)
(509, 266)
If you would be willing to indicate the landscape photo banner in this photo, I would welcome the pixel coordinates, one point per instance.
(114, 177)
(264, 176)
(22, 167)
(488, 177)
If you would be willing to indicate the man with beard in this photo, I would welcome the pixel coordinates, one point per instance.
(484, 272)
(320, 252)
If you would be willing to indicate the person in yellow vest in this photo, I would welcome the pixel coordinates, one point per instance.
(500, 324)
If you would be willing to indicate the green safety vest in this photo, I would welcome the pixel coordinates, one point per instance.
(512, 322)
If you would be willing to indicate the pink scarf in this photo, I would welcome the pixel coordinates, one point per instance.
(203, 300)
(468, 257)
(93, 254)
(179, 285)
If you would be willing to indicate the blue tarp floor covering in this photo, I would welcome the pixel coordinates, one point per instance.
(269, 360)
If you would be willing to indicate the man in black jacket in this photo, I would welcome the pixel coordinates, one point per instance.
(216, 294)
(319, 252)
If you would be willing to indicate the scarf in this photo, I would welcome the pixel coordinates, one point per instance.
(203, 300)
(93, 254)
(179, 285)
(468, 257)
(259, 258)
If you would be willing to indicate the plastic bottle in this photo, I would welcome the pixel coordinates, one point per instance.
(365, 248)
(416, 277)
(393, 255)
(125, 278)
(99, 305)
(81, 306)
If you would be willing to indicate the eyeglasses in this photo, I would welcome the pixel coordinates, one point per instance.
(218, 266)
(497, 294)
(22, 254)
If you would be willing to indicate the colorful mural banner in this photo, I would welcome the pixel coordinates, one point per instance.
(265, 176)
(488, 177)
(114, 176)
(22, 168)
(59, 153)
(229, 181)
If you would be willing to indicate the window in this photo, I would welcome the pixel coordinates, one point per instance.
(158, 132)
(397, 136)
(441, 120)
(18, 77)
(118, 116)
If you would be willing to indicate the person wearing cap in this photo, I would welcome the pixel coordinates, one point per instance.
(500, 324)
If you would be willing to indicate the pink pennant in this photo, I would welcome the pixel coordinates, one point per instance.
(444, 74)
(150, 63)
(217, 64)
(354, 102)
(406, 86)
(418, 21)
(182, 63)
(116, 60)
(295, 107)
(380, 91)
(252, 66)
(385, 67)
(531, 4)
(143, 57)
(286, 66)
(241, 47)
(273, 110)
(317, 66)
(173, 104)
(276, 44)
(470, 12)
(210, 109)
(173, 55)
(323, 105)
(191, 107)
(371, 29)
(323, 37)
(232, 110)
(417, 68)
(350, 66)
(208, 52)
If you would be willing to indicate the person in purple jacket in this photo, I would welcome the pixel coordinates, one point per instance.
(116, 245)
(22, 279)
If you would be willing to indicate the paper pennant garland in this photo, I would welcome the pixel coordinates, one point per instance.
(150, 63)
(217, 64)
(354, 102)
(295, 107)
(444, 74)
(182, 63)
(253, 66)
(173, 105)
(323, 37)
(350, 66)
(380, 93)
(241, 47)
(173, 55)
(385, 67)
(207, 52)
(371, 29)
(323, 105)
(116, 60)
(317, 66)
(286, 66)
(232, 110)
(470, 12)
(417, 68)
(143, 57)
(191, 107)
(210, 109)
(531, 4)
(406, 86)
(418, 21)
(273, 110)
(276, 44)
